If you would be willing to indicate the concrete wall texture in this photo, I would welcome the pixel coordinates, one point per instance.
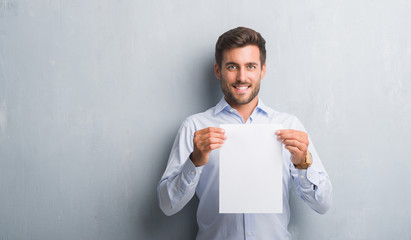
(92, 94)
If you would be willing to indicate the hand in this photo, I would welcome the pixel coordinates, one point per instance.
(206, 140)
(296, 142)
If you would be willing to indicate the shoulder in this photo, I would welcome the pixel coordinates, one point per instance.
(201, 115)
(200, 120)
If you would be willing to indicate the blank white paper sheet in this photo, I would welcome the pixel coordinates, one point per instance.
(251, 169)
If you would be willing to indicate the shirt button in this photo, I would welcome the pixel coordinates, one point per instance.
(231, 110)
(301, 176)
(309, 175)
(250, 234)
(192, 172)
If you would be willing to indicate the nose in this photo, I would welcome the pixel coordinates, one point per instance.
(241, 75)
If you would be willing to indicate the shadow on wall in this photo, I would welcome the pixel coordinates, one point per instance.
(155, 224)
(182, 225)
(207, 91)
(297, 219)
(213, 86)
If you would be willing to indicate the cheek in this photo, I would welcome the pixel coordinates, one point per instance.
(256, 77)
(229, 77)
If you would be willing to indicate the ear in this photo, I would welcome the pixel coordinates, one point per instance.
(263, 71)
(217, 71)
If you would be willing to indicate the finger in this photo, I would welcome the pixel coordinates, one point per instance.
(214, 141)
(215, 146)
(294, 143)
(207, 135)
(289, 134)
(211, 129)
(284, 131)
(205, 144)
(295, 152)
(209, 138)
(216, 129)
(297, 157)
(209, 147)
(292, 134)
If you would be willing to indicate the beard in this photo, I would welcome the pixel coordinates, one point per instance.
(233, 99)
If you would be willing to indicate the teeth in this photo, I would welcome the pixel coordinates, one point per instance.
(242, 88)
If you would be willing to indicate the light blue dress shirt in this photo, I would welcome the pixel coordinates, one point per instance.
(182, 179)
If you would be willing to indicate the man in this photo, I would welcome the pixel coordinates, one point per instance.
(193, 165)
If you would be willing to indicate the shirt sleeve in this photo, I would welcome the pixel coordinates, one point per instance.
(313, 184)
(179, 181)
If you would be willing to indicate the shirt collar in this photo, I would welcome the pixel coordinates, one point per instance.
(221, 106)
(224, 105)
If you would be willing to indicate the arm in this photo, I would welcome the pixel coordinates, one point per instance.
(312, 184)
(190, 152)
(177, 185)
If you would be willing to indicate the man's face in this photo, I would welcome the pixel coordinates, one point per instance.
(240, 75)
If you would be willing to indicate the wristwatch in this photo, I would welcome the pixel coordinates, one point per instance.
(307, 163)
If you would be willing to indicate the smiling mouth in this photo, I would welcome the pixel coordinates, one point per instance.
(241, 89)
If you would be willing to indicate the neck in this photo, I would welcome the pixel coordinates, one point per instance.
(244, 110)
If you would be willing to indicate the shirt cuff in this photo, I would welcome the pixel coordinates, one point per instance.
(308, 177)
(190, 171)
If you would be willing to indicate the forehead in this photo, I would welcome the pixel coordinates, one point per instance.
(241, 55)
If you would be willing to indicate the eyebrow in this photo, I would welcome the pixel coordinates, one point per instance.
(234, 63)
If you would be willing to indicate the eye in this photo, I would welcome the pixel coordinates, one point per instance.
(251, 67)
(231, 67)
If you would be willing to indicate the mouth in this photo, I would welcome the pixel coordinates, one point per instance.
(241, 88)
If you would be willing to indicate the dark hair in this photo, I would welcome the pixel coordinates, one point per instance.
(239, 37)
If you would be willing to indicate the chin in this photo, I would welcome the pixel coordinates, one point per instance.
(241, 101)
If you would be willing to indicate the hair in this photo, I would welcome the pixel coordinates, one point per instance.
(239, 37)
